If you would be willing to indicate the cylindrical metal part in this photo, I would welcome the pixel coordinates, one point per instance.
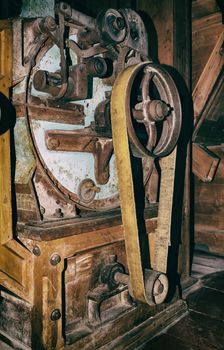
(112, 26)
(76, 17)
(156, 286)
(41, 82)
(157, 110)
(96, 67)
(121, 278)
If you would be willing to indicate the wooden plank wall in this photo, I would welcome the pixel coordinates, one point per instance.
(206, 28)
(209, 209)
(209, 197)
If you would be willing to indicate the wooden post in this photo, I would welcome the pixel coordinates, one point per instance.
(5, 169)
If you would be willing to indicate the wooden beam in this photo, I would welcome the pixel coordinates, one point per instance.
(5, 168)
(205, 163)
(205, 22)
(201, 8)
(212, 105)
(208, 78)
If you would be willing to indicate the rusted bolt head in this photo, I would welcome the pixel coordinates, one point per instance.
(55, 315)
(36, 250)
(160, 288)
(55, 259)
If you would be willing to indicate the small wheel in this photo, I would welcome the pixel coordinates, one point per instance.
(156, 286)
(153, 111)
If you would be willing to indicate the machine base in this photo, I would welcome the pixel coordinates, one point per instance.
(15, 326)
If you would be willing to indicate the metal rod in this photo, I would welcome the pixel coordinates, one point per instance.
(75, 16)
(121, 278)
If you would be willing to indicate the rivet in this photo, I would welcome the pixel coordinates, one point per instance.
(55, 315)
(55, 259)
(36, 250)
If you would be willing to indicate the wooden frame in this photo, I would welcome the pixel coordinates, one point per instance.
(28, 272)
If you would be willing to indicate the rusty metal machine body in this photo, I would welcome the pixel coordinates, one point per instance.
(94, 116)
(68, 104)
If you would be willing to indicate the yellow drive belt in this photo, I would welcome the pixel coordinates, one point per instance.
(162, 237)
(119, 107)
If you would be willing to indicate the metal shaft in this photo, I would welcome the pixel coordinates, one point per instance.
(75, 16)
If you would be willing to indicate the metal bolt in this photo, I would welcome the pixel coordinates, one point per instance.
(55, 259)
(36, 250)
(55, 315)
(160, 288)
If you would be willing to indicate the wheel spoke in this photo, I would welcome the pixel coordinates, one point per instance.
(145, 85)
(152, 133)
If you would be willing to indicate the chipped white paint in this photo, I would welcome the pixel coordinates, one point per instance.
(48, 204)
(70, 168)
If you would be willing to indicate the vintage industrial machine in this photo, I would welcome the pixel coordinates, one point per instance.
(95, 129)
